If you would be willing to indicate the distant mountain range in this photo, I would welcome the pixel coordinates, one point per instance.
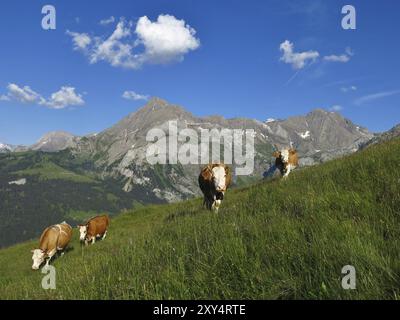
(66, 177)
(119, 152)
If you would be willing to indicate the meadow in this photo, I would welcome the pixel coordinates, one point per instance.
(279, 239)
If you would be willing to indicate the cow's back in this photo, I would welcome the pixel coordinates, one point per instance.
(98, 225)
(65, 235)
(48, 239)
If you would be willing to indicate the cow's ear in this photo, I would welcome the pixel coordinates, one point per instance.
(276, 154)
(227, 170)
(292, 151)
(33, 250)
(207, 172)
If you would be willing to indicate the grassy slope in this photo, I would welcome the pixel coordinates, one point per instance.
(51, 171)
(279, 240)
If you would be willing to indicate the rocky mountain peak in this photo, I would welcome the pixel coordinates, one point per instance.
(54, 141)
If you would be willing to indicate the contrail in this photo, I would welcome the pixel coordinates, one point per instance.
(292, 77)
(297, 72)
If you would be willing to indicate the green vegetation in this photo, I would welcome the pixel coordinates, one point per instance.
(282, 239)
(51, 171)
(80, 215)
(59, 186)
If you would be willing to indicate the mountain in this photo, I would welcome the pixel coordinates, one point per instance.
(273, 240)
(54, 141)
(5, 148)
(50, 142)
(318, 136)
(120, 150)
(109, 172)
(384, 136)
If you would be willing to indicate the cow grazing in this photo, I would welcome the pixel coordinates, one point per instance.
(53, 239)
(94, 228)
(286, 160)
(214, 180)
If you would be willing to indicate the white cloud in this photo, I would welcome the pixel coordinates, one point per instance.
(105, 22)
(298, 60)
(163, 41)
(23, 94)
(131, 95)
(80, 40)
(375, 96)
(66, 96)
(63, 98)
(336, 108)
(335, 58)
(347, 89)
(114, 50)
(340, 58)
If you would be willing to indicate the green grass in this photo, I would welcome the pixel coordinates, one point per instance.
(51, 171)
(274, 240)
(79, 215)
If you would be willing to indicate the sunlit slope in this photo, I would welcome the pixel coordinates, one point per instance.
(275, 240)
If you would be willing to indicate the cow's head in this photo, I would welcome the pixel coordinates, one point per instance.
(38, 258)
(219, 176)
(82, 232)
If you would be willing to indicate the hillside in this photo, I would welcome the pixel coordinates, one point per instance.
(38, 188)
(68, 177)
(119, 152)
(275, 240)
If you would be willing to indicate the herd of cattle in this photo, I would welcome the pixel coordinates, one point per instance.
(57, 237)
(214, 180)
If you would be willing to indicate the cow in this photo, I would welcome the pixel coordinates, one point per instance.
(53, 239)
(94, 228)
(214, 180)
(286, 160)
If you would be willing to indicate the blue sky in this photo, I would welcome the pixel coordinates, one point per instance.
(256, 59)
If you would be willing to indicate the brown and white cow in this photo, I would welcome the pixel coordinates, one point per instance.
(214, 180)
(94, 228)
(286, 160)
(53, 239)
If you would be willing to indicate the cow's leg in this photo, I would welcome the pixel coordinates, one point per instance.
(104, 235)
(205, 202)
(289, 167)
(93, 239)
(62, 251)
(50, 256)
(86, 241)
(217, 204)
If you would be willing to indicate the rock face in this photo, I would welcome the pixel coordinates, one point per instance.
(119, 152)
(385, 136)
(4, 148)
(318, 136)
(55, 141)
